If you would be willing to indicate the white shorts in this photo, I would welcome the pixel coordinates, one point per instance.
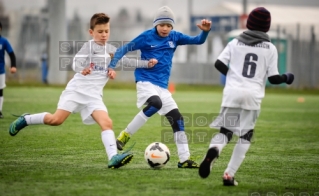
(78, 103)
(146, 89)
(2, 81)
(237, 120)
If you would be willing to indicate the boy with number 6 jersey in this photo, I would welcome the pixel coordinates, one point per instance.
(252, 58)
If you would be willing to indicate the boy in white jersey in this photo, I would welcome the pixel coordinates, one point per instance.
(83, 93)
(252, 58)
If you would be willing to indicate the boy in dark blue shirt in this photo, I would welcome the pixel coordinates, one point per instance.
(5, 46)
(159, 43)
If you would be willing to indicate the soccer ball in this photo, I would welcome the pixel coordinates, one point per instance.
(157, 155)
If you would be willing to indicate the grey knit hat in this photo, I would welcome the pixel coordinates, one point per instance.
(164, 15)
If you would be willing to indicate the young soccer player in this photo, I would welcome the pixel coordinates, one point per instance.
(251, 58)
(159, 42)
(83, 93)
(5, 46)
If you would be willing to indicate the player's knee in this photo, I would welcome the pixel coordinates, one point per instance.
(106, 124)
(248, 136)
(55, 121)
(176, 120)
(227, 133)
(155, 101)
(153, 106)
(52, 119)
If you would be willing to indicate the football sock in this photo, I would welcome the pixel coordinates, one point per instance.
(180, 139)
(219, 140)
(1, 103)
(138, 121)
(238, 156)
(108, 139)
(35, 119)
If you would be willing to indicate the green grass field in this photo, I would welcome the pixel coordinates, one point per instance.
(70, 159)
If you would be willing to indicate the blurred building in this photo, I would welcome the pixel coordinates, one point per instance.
(29, 36)
(294, 31)
(27, 30)
(4, 18)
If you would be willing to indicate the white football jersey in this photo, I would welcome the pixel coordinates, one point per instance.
(98, 58)
(249, 68)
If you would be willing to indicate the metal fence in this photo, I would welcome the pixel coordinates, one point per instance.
(304, 59)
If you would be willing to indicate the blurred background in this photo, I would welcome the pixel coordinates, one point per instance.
(38, 30)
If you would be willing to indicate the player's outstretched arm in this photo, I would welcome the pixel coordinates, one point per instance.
(205, 26)
(136, 63)
(135, 44)
(287, 78)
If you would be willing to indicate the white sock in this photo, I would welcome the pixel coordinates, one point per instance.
(35, 119)
(238, 156)
(180, 139)
(138, 121)
(220, 141)
(1, 103)
(108, 139)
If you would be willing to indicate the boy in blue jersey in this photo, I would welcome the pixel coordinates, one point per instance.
(159, 43)
(5, 46)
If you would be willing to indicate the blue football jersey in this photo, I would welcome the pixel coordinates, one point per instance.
(151, 46)
(4, 46)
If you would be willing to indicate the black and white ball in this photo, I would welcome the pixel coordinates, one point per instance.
(157, 155)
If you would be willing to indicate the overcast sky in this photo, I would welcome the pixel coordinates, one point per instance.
(86, 7)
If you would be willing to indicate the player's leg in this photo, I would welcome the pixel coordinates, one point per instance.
(109, 142)
(175, 118)
(218, 142)
(2, 86)
(154, 104)
(37, 119)
(177, 123)
(248, 120)
(1, 103)
(146, 93)
(67, 104)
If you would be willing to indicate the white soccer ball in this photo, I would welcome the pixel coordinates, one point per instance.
(157, 155)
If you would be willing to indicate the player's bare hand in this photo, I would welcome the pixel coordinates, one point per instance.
(205, 25)
(86, 71)
(111, 73)
(13, 70)
(152, 62)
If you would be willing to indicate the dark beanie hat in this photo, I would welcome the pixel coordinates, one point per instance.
(259, 20)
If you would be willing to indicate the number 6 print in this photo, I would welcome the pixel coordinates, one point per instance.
(246, 73)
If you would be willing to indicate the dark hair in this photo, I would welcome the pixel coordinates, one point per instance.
(99, 18)
(0, 25)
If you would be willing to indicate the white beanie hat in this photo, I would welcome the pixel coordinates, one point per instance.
(164, 15)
